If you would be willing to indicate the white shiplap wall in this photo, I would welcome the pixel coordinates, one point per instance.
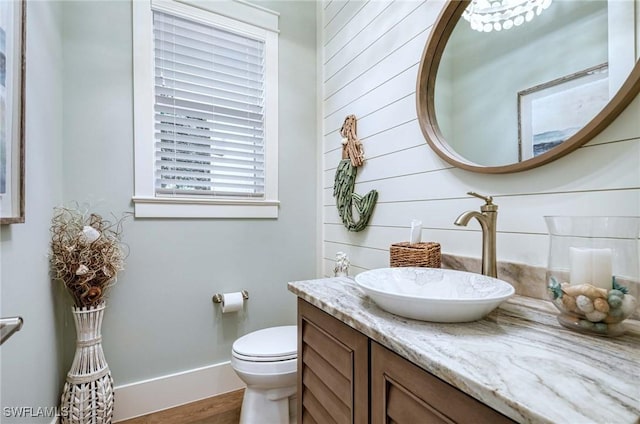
(370, 59)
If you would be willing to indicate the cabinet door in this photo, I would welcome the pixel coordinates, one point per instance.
(404, 393)
(333, 363)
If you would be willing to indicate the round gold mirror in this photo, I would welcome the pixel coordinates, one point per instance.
(500, 98)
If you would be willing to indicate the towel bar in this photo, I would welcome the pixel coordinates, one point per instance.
(8, 326)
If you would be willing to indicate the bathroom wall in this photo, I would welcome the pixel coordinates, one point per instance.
(370, 62)
(30, 362)
(160, 318)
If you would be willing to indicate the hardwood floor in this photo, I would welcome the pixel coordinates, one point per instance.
(223, 409)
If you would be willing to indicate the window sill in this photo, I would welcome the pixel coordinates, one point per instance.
(158, 207)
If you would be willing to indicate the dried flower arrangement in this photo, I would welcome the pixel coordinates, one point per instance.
(86, 254)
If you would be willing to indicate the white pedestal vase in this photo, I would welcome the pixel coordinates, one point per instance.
(88, 392)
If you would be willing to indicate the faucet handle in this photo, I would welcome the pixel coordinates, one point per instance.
(487, 199)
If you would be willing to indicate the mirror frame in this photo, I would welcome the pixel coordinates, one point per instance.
(425, 103)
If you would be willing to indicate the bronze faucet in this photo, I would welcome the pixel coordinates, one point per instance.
(487, 218)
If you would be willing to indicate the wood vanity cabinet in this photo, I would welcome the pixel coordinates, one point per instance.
(343, 377)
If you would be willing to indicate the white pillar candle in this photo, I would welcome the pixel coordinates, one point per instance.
(590, 266)
(579, 266)
(601, 268)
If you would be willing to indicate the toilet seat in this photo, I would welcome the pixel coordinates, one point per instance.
(273, 344)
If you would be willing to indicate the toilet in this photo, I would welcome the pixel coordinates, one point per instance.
(266, 360)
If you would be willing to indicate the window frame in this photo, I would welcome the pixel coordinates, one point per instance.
(146, 203)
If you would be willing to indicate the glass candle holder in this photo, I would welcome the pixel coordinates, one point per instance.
(592, 271)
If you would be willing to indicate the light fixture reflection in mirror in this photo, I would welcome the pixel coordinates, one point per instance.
(470, 84)
(487, 15)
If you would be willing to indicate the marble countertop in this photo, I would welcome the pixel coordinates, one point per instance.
(518, 360)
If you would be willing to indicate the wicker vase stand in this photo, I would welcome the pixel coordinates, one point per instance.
(87, 397)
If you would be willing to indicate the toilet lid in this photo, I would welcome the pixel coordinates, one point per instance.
(269, 344)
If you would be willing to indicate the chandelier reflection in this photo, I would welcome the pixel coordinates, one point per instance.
(487, 16)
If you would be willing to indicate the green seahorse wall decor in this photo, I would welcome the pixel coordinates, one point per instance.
(343, 189)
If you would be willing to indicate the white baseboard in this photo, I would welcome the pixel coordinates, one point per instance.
(144, 397)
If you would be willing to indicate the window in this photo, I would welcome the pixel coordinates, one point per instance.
(206, 122)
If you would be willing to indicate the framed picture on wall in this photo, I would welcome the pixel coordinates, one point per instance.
(12, 78)
(550, 113)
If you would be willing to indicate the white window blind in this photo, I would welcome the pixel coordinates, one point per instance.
(208, 110)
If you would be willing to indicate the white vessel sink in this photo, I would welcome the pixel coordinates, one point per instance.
(434, 294)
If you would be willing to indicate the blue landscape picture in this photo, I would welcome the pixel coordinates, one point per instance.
(547, 140)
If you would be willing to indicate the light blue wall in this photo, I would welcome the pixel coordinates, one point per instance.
(30, 362)
(160, 318)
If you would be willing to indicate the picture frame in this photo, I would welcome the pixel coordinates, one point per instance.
(12, 108)
(550, 113)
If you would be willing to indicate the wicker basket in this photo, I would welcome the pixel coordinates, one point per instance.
(425, 254)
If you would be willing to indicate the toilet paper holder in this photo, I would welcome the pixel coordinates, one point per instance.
(217, 298)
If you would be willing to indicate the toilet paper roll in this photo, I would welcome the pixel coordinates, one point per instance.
(232, 302)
